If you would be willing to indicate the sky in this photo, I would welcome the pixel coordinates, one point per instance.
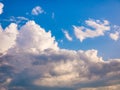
(59, 44)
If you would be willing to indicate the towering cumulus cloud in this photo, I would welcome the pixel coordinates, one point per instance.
(32, 60)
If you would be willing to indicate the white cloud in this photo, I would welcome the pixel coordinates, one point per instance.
(33, 37)
(98, 28)
(8, 37)
(115, 36)
(30, 37)
(37, 10)
(67, 35)
(33, 57)
(1, 7)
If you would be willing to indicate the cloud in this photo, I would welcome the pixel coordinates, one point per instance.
(20, 20)
(33, 60)
(8, 37)
(37, 10)
(67, 35)
(1, 7)
(95, 28)
(115, 36)
(30, 36)
(33, 37)
(112, 87)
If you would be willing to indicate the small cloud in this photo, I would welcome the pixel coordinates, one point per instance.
(1, 7)
(67, 35)
(97, 28)
(37, 10)
(114, 36)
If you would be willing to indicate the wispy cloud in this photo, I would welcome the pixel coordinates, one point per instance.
(67, 35)
(17, 20)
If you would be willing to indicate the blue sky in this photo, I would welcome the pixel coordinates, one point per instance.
(88, 29)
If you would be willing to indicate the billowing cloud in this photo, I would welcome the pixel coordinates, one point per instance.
(97, 28)
(30, 37)
(34, 61)
(37, 10)
(1, 7)
(8, 37)
(67, 35)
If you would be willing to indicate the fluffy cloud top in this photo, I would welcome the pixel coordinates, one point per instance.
(34, 61)
(31, 37)
(1, 7)
(37, 10)
(97, 28)
(67, 35)
(8, 37)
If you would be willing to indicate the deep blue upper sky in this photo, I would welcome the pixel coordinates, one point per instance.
(66, 14)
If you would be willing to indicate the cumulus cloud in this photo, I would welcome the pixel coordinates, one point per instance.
(30, 37)
(8, 37)
(34, 61)
(37, 10)
(1, 7)
(67, 35)
(97, 28)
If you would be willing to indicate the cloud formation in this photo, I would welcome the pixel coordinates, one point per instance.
(1, 7)
(37, 10)
(67, 35)
(33, 60)
(8, 37)
(94, 28)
